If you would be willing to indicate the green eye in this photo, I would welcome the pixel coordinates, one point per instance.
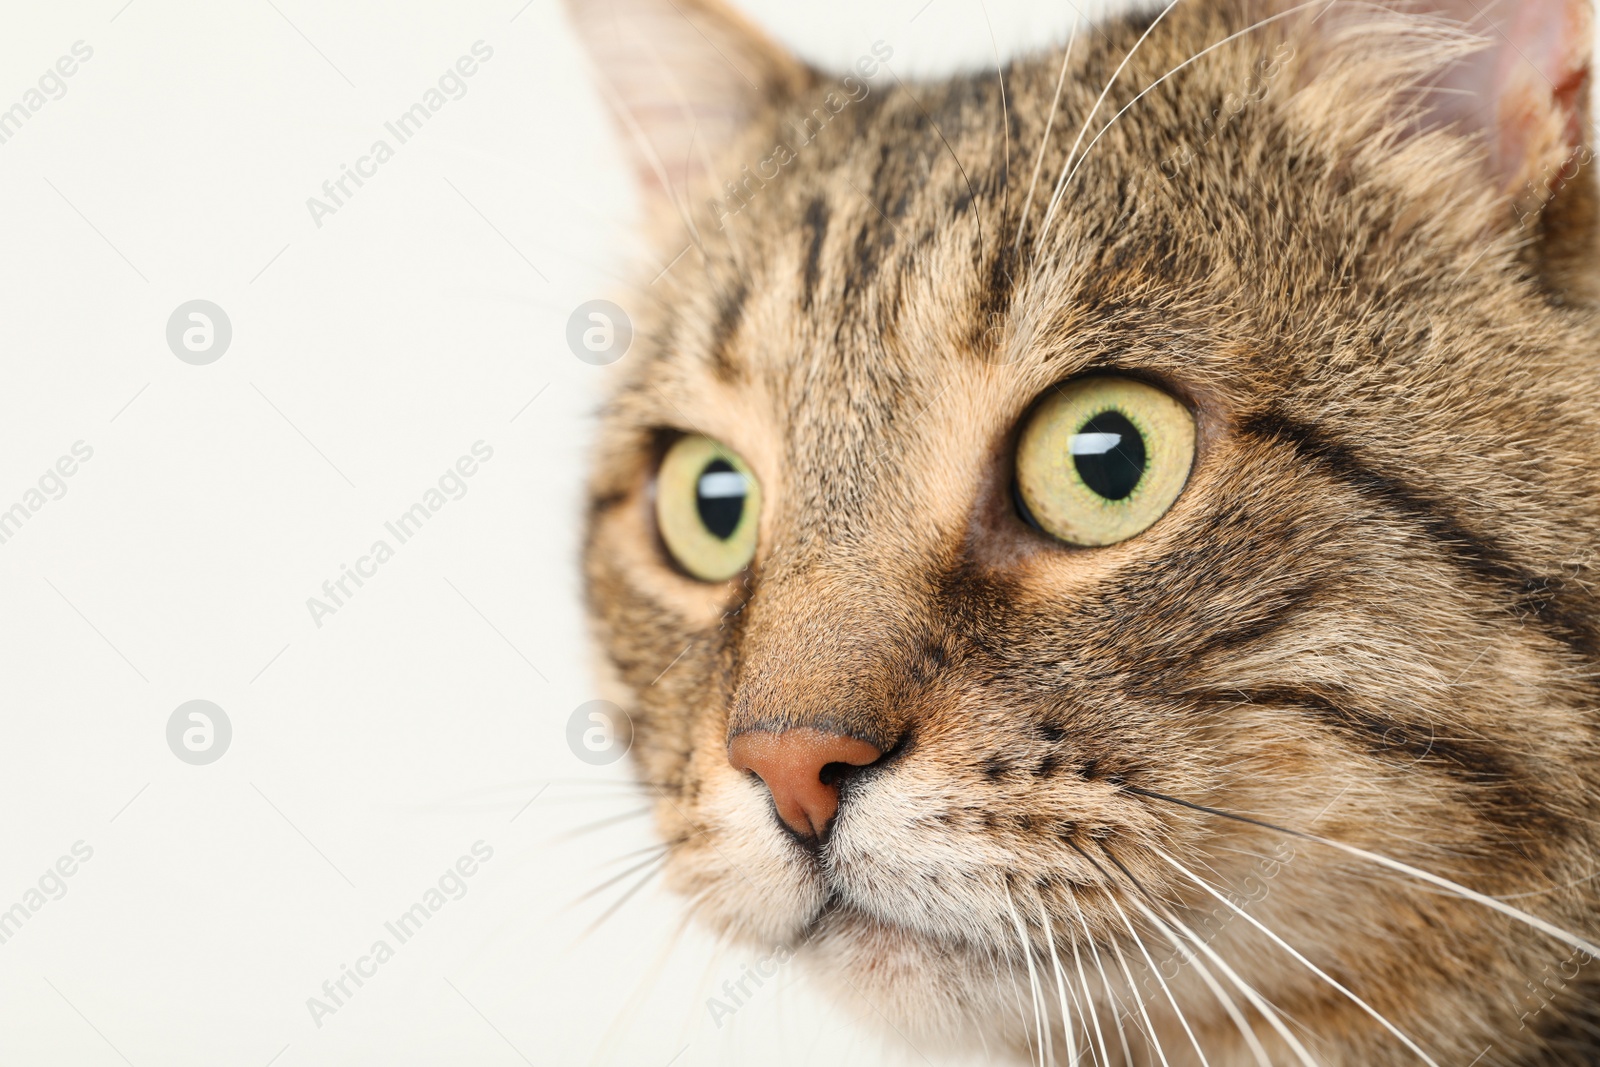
(708, 506)
(1101, 459)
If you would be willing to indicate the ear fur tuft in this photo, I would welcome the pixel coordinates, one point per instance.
(684, 78)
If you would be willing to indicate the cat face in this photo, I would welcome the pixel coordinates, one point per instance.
(1095, 564)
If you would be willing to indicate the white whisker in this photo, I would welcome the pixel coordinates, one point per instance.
(1142, 93)
(1133, 988)
(1067, 1027)
(1112, 1002)
(647, 977)
(1246, 1031)
(1011, 972)
(1455, 888)
(1005, 123)
(1281, 943)
(1267, 1010)
(1089, 1004)
(659, 858)
(1044, 142)
(1055, 196)
(651, 849)
(1182, 1019)
(1036, 992)
(644, 880)
(599, 824)
(1573, 940)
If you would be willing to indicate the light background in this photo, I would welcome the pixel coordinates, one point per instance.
(369, 753)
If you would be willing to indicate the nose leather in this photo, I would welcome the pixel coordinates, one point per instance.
(791, 763)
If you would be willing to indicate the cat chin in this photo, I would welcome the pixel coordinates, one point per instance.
(940, 996)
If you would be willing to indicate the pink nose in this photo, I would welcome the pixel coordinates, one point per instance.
(791, 764)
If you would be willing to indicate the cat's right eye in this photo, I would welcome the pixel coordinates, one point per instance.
(1102, 458)
(708, 508)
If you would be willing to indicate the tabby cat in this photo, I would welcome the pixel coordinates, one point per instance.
(1099, 554)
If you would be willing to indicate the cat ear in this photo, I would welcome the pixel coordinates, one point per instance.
(1526, 91)
(683, 78)
(1476, 102)
(1512, 74)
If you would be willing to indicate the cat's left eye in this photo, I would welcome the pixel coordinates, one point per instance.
(708, 507)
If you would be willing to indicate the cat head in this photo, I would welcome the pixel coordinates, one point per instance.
(1049, 518)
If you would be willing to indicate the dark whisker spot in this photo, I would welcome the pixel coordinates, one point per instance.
(995, 768)
(1050, 732)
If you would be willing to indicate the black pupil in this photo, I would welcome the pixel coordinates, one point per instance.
(719, 494)
(1112, 468)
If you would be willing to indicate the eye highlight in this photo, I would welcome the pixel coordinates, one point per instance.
(1103, 458)
(708, 507)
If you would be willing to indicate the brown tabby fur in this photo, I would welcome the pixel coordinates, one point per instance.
(1372, 614)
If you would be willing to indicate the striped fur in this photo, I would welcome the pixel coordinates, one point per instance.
(1371, 616)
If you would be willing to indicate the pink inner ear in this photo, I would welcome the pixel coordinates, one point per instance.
(1527, 91)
